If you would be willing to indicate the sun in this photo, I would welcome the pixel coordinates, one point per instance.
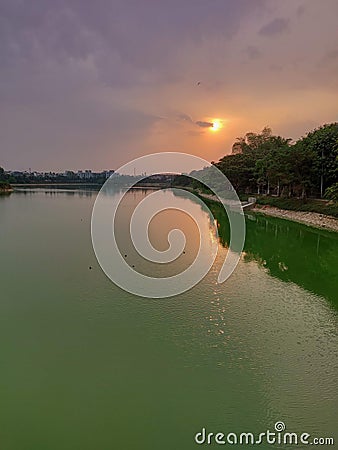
(216, 125)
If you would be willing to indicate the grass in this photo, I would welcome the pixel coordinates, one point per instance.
(329, 208)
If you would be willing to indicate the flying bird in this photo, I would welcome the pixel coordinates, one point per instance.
(198, 83)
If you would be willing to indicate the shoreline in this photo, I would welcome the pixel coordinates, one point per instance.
(4, 191)
(312, 219)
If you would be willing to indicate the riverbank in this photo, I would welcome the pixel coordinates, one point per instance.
(5, 188)
(308, 218)
(315, 205)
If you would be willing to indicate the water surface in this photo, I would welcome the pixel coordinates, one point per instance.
(85, 365)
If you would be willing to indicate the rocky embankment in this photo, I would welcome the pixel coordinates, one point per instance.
(308, 218)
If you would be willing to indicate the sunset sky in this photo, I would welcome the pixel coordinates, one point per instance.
(93, 84)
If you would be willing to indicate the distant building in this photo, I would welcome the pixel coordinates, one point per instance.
(84, 175)
(70, 175)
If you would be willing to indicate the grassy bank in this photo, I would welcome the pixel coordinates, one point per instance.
(326, 207)
(314, 213)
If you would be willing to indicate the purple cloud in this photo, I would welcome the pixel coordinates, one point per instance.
(84, 82)
(252, 52)
(276, 26)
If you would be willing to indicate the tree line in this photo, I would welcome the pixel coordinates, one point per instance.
(266, 164)
(263, 163)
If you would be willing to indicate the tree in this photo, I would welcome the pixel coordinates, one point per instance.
(3, 176)
(331, 193)
(323, 141)
(302, 169)
(271, 162)
(256, 161)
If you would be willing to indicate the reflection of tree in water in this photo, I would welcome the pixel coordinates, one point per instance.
(289, 251)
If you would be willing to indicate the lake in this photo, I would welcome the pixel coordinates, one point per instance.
(86, 365)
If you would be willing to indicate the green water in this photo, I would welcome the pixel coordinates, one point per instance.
(85, 365)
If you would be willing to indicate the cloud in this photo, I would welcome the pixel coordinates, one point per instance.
(252, 52)
(200, 123)
(130, 34)
(331, 56)
(300, 11)
(276, 26)
(85, 82)
(203, 124)
(185, 118)
(182, 117)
